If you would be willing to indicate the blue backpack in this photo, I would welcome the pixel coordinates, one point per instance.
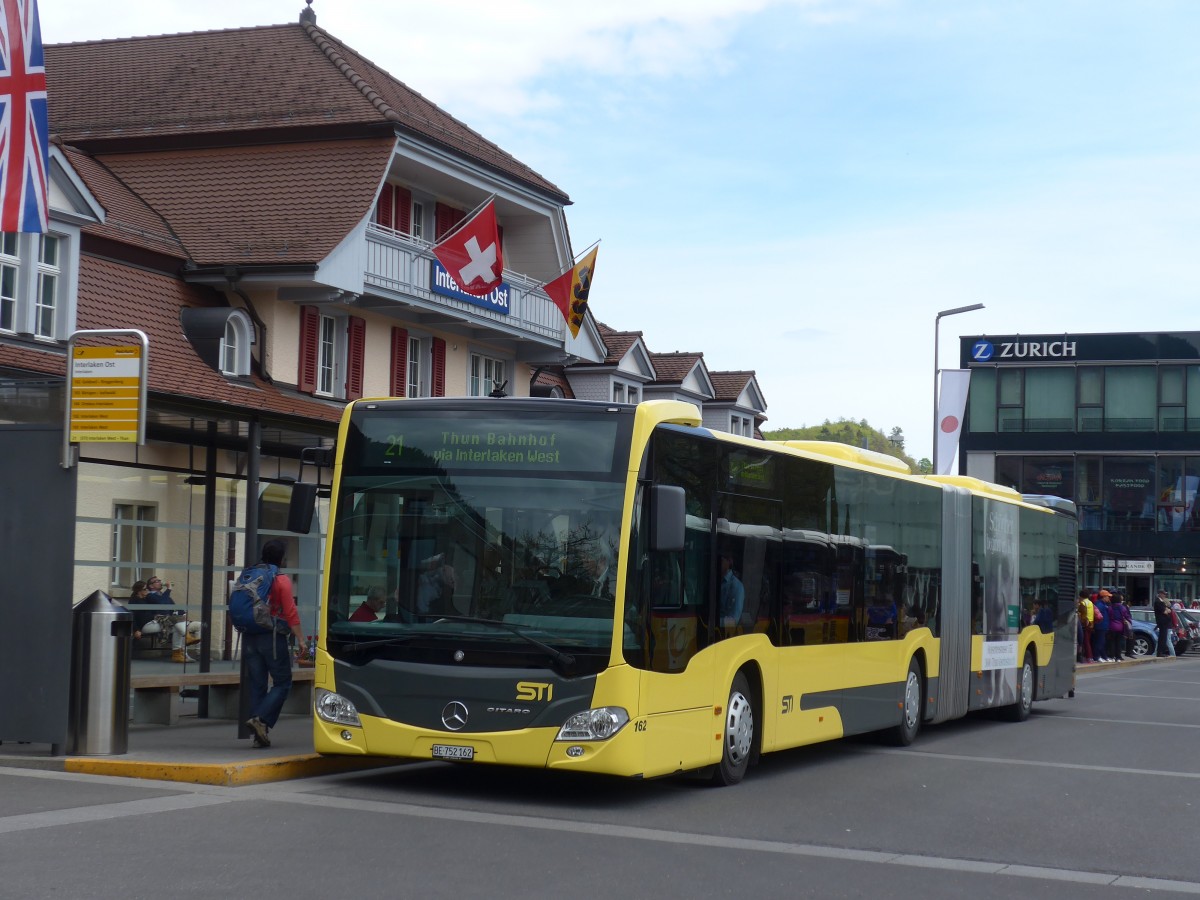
(249, 608)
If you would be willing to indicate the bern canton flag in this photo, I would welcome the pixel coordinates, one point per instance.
(24, 124)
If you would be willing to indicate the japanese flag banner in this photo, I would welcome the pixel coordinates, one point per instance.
(952, 403)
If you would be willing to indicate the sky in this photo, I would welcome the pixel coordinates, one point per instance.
(798, 187)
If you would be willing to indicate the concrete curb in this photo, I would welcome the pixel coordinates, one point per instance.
(257, 771)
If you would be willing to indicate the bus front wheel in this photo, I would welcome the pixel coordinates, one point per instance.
(737, 739)
(911, 708)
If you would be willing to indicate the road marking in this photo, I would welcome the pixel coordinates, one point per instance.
(102, 812)
(961, 757)
(203, 796)
(632, 832)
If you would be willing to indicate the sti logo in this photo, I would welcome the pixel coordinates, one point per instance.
(982, 351)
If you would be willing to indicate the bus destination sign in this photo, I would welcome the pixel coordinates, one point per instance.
(536, 445)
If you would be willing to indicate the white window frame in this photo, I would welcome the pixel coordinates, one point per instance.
(133, 535)
(10, 274)
(624, 392)
(485, 374)
(412, 383)
(235, 345)
(23, 309)
(331, 356)
(741, 425)
(416, 221)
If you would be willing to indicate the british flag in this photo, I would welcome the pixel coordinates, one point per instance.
(24, 123)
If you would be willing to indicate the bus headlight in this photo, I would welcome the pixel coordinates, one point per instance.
(335, 708)
(593, 724)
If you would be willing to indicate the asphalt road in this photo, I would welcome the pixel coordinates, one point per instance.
(1097, 796)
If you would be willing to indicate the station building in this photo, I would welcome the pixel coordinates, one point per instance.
(261, 203)
(1109, 421)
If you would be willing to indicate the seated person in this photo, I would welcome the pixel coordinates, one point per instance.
(146, 621)
(369, 610)
(1044, 617)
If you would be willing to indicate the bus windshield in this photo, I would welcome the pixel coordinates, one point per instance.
(458, 533)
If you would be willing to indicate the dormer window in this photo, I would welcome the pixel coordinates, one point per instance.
(235, 345)
(221, 336)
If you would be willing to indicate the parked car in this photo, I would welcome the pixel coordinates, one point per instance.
(1145, 638)
(1191, 618)
(1145, 614)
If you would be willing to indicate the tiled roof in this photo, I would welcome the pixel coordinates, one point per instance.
(728, 386)
(128, 218)
(250, 79)
(554, 377)
(672, 368)
(112, 295)
(414, 112)
(617, 342)
(276, 204)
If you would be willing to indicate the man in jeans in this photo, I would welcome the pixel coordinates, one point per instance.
(1162, 620)
(269, 654)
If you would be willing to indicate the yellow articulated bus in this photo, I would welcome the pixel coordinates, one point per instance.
(613, 588)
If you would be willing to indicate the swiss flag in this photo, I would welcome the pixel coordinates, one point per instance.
(471, 253)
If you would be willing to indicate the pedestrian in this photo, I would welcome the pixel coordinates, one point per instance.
(267, 653)
(1120, 626)
(1162, 620)
(1083, 652)
(1100, 617)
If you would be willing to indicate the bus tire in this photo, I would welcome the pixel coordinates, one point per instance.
(912, 708)
(738, 734)
(1026, 678)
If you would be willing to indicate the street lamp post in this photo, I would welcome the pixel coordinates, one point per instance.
(936, 371)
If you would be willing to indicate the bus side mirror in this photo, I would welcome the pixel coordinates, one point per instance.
(667, 517)
(301, 507)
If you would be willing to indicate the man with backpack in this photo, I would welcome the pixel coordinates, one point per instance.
(265, 647)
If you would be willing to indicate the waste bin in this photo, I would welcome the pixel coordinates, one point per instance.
(101, 639)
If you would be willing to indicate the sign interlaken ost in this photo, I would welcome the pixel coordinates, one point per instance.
(106, 389)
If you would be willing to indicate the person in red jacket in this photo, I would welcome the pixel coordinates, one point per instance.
(268, 654)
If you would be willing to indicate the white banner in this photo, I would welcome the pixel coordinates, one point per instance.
(952, 404)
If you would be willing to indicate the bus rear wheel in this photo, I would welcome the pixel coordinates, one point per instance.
(1019, 711)
(912, 708)
(737, 739)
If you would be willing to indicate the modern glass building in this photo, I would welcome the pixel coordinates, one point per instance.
(1110, 421)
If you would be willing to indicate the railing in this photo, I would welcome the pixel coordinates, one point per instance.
(400, 267)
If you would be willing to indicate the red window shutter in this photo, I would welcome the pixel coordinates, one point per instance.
(399, 362)
(438, 377)
(310, 330)
(403, 210)
(444, 219)
(383, 210)
(356, 347)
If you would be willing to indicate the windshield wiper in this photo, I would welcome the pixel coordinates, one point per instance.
(379, 642)
(566, 660)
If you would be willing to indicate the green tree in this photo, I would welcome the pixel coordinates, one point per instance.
(856, 434)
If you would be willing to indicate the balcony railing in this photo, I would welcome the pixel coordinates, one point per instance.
(400, 267)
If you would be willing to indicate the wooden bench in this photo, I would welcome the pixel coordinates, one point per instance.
(157, 701)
